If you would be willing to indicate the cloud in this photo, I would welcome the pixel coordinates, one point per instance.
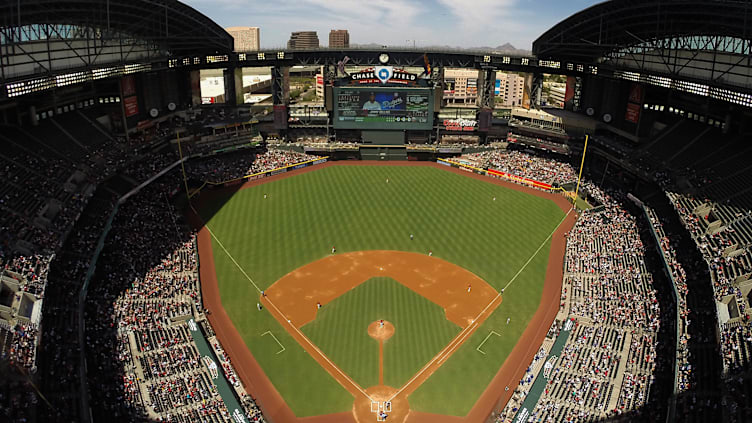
(383, 21)
(480, 14)
(462, 23)
(489, 22)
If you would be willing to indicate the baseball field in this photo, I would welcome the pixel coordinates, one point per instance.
(453, 264)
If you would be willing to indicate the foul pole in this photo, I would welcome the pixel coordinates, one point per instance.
(582, 166)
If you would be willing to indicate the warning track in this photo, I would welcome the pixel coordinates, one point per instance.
(493, 398)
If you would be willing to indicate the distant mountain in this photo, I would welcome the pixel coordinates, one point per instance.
(505, 48)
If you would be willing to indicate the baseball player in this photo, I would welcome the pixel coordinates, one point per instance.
(381, 323)
(258, 306)
(318, 305)
(334, 250)
(469, 287)
(411, 237)
(430, 253)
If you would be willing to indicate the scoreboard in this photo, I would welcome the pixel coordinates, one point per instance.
(383, 108)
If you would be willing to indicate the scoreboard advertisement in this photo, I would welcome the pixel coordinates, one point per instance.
(383, 108)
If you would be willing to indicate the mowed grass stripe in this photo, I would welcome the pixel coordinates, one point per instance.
(447, 390)
(355, 209)
(421, 331)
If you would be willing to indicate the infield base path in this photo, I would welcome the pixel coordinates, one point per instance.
(493, 398)
(467, 301)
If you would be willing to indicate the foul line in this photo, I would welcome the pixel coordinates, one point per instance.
(441, 356)
(232, 258)
(465, 332)
(524, 266)
(275, 338)
(334, 366)
(493, 332)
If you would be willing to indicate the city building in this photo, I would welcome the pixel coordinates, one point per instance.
(461, 86)
(509, 89)
(339, 38)
(246, 37)
(555, 93)
(302, 40)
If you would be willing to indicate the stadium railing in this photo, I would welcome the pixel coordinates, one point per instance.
(81, 303)
(671, 415)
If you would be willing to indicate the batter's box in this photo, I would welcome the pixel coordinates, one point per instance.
(381, 409)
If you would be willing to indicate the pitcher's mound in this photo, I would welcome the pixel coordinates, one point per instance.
(379, 332)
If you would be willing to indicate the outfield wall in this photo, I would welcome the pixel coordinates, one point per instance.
(494, 397)
(265, 174)
(498, 174)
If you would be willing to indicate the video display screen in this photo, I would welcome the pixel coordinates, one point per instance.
(383, 108)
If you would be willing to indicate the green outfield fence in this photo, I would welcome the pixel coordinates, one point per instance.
(544, 374)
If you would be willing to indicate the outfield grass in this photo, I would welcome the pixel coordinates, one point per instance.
(353, 208)
(421, 331)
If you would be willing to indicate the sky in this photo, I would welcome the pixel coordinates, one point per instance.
(456, 23)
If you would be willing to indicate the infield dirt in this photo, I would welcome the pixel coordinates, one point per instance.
(494, 396)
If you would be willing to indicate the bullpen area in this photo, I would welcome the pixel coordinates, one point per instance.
(355, 291)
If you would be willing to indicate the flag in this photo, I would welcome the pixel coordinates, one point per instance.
(341, 65)
(426, 64)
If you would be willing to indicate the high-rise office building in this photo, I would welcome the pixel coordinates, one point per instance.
(509, 90)
(246, 37)
(339, 38)
(461, 86)
(302, 40)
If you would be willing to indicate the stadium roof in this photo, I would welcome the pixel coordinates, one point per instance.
(608, 26)
(175, 27)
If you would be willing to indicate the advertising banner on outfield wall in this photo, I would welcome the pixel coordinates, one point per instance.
(519, 179)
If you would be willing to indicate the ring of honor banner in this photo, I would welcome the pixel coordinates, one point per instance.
(130, 100)
(633, 106)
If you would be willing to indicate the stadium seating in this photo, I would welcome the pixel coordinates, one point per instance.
(607, 365)
(679, 277)
(723, 234)
(525, 165)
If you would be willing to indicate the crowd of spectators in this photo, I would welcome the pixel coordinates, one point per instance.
(607, 366)
(51, 218)
(723, 235)
(224, 168)
(531, 373)
(23, 283)
(679, 278)
(143, 360)
(525, 165)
